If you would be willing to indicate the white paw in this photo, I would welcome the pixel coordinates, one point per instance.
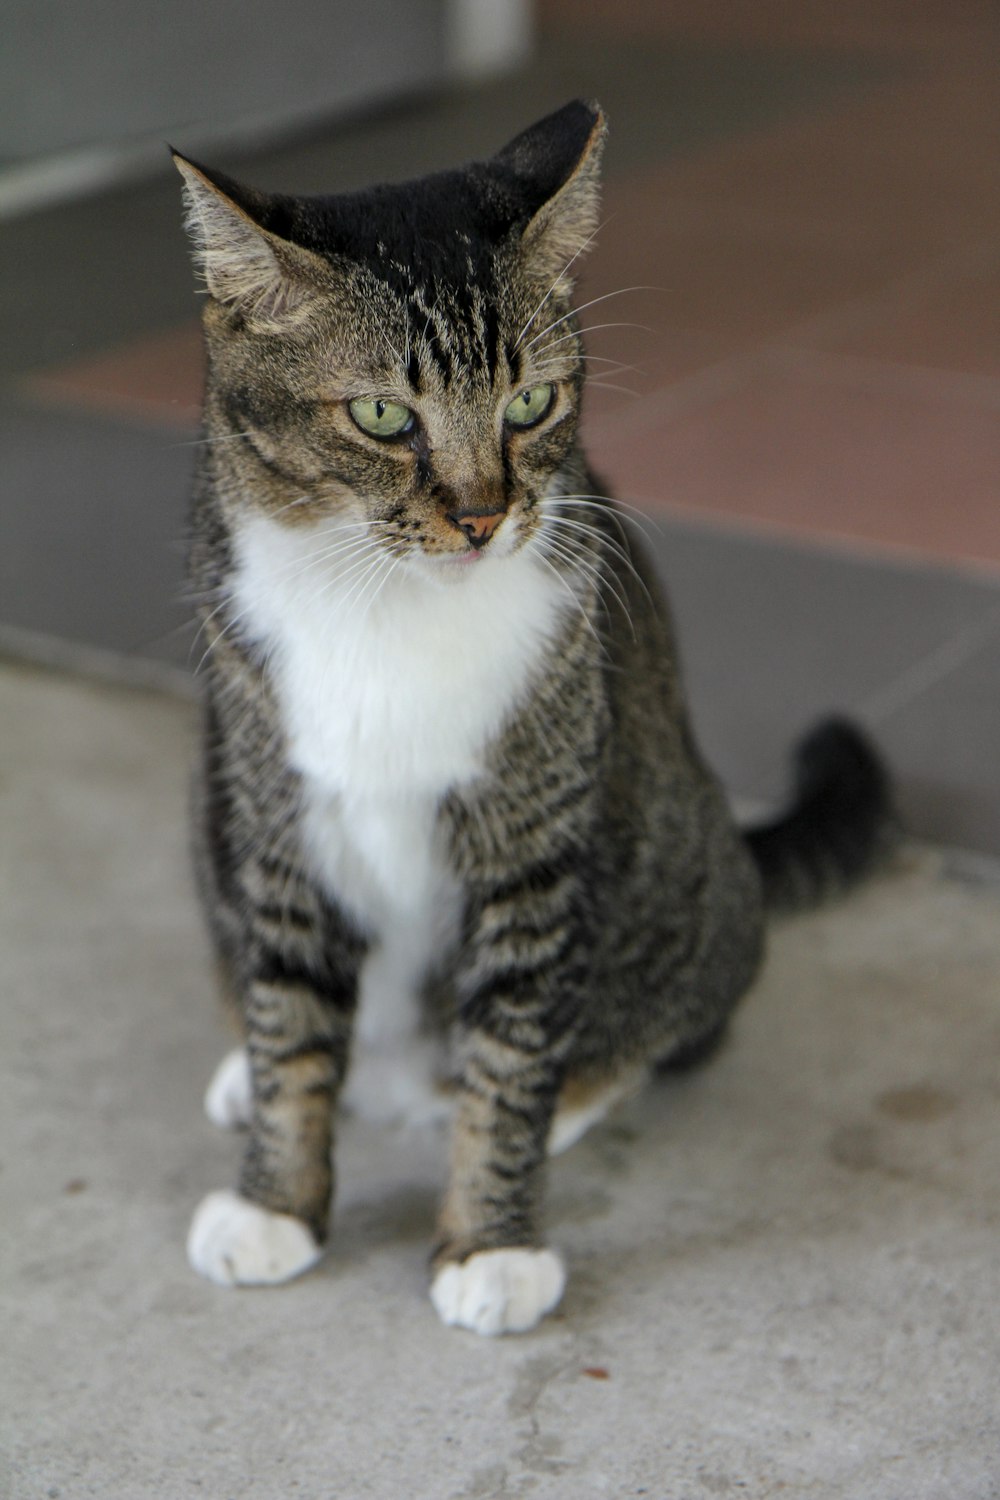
(396, 1088)
(499, 1291)
(229, 1097)
(237, 1243)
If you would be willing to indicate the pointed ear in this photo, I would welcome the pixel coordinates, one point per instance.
(246, 268)
(560, 158)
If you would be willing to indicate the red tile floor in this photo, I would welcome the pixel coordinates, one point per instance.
(813, 362)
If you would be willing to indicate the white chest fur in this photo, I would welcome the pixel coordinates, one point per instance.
(391, 685)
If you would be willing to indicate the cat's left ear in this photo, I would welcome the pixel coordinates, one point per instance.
(559, 164)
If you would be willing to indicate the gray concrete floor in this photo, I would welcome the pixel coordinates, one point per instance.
(783, 1269)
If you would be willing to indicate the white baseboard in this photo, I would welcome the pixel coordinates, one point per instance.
(488, 36)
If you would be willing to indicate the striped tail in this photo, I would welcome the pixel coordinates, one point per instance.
(840, 827)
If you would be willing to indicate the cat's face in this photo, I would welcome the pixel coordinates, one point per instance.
(441, 425)
(411, 368)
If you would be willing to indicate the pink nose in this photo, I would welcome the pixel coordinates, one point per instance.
(476, 527)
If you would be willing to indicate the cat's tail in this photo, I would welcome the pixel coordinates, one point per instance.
(840, 827)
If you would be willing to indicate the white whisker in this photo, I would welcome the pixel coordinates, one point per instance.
(212, 442)
(609, 385)
(357, 575)
(538, 547)
(633, 514)
(577, 334)
(587, 528)
(394, 563)
(617, 549)
(576, 311)
(620, 368)
(578, 556)
(350, 550)
(555, 282)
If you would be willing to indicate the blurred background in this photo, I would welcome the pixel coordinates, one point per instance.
(797, 379)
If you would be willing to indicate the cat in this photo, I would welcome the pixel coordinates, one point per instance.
(449, 790)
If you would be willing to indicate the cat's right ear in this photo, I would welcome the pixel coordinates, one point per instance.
(261, 277)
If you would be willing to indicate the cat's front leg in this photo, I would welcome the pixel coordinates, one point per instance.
(493, 1272)
(297, 1022)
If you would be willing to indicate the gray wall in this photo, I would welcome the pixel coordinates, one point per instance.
(76, 74)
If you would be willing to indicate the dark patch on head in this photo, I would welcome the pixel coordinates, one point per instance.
(440, 355)
(449, 223)
(491, 337)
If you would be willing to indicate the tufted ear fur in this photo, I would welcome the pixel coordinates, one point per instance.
(567, 149)
(256, 274)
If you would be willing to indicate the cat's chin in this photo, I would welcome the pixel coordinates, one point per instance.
(456, 568)
(449, 572)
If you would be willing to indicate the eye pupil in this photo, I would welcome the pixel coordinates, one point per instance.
(380, 409)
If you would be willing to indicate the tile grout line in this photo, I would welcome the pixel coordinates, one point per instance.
(971, 256)
(879, 706)
(700, 388)
(706, 385)
(927, 382)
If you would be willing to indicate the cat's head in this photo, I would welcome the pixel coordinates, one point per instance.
(405, 356)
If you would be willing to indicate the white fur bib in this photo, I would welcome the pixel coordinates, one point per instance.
(390, 690)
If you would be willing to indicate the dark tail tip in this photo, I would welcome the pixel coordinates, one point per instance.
(841, 825)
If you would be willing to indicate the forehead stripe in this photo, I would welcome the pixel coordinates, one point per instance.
(437, 348)
(491, 337)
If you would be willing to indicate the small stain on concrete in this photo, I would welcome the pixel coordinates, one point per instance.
(917, 1103)
(855, 1147)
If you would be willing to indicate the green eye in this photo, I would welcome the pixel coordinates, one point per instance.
(381, 418)
(530, 406)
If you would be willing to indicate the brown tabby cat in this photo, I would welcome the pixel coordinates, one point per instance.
(449, 787)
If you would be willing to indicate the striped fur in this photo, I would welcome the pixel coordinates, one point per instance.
(433, 773)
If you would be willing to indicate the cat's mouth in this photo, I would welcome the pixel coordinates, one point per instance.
(451, 567)
(507, 539)
(444, 566)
